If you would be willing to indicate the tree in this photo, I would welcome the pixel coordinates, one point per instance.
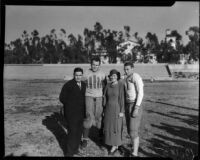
(167, 53)
(177, 35)
(127, 32)
(35, 33)
(192, 48)
(152, 45)
(152, 41)
(26, 42)
(98, 27)
(63, 30)
(80, 42)
(19, 53)
(193, 33)
(49, 48)
(35, 48)
(89, 41)
(120, 36)
(53, 36)
(61, 36)
(111, 46)
(72, 40)
(98, 36)
(178, 41)
(75, 51)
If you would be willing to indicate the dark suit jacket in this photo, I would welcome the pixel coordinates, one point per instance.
(73, 99)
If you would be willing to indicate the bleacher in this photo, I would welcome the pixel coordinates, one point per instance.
(59, 71)
(155, 71)
(147, 71)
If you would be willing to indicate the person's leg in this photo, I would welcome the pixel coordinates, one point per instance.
(73, 138)
(89, 119)
(101, 132)
(135, 146)
(127, 117)
(98, 112)
(99, 117)
(134, 128)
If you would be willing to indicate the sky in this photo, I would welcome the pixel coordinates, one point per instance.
(74, 19)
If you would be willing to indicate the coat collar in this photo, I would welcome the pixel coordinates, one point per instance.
(75, 83)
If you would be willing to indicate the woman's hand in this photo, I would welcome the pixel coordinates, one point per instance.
(121, 114)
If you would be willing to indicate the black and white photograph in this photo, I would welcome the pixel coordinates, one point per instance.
(101, 81)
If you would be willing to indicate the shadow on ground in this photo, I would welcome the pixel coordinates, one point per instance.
(191, 120)
(179, 131)
(94, 136)
(123, 150)
(174, 105)
(189, 135)
(183, 146)
(56, 124)
(184, 139)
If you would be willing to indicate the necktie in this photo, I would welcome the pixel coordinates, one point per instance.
(79, 84)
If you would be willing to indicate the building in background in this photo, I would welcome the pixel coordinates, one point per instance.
(184, 58)
(125, 49)
(170, 38)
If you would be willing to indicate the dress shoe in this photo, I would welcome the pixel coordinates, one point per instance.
(77, 154)
(132, 155)
(111, 153)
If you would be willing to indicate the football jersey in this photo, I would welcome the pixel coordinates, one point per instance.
(134, 89)
(94, 83)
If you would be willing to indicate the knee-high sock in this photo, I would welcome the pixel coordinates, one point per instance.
(135, 146)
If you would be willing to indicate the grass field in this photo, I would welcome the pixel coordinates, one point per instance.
(32, 121)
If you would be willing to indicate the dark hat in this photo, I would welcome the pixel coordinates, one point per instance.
(114, 71)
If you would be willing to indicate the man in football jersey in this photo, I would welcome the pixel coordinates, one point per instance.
(95, 82)
(133, 109)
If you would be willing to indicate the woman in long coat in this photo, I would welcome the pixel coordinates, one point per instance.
(73, 98)
(114, 111)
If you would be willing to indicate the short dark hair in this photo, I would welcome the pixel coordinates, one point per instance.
(78, 69)
(97, 59)
(129, 64)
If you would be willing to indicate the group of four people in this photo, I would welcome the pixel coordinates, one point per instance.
(97, 100)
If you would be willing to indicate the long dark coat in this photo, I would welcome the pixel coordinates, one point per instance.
(73, 99)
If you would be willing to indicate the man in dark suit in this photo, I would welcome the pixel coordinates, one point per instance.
(72, 96)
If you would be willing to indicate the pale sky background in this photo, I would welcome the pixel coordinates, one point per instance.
(74, 19)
